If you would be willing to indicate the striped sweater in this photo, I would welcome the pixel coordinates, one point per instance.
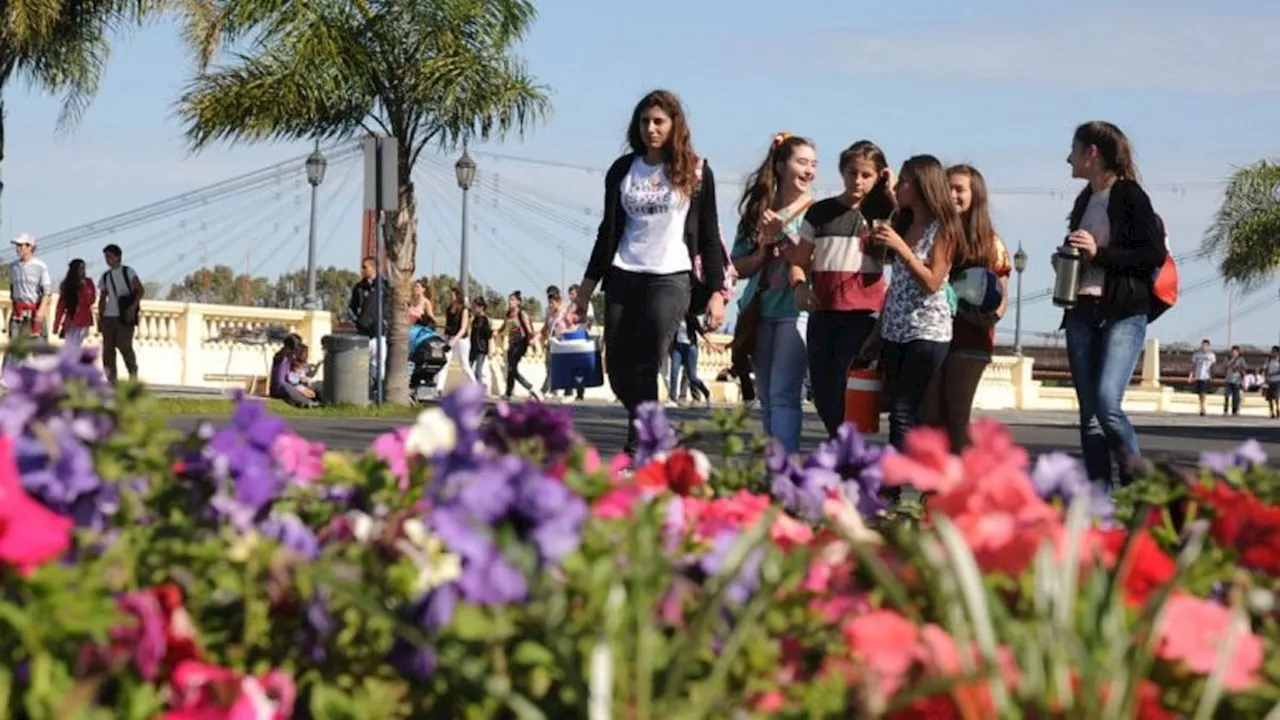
(844, 278)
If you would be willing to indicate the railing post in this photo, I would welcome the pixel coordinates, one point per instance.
(1151, 364)
(191, 340)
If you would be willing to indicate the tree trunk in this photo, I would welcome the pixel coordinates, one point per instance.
(402, 253)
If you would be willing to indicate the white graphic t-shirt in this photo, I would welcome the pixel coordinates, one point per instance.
(1202, 362)
(653, 239)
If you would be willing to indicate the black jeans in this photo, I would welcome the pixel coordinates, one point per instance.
(908, 368)
(641, 315)
(833, 339)
(515, 353)
(117, 336)
(1232, 394)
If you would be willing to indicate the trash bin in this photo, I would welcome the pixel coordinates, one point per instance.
(346, 369)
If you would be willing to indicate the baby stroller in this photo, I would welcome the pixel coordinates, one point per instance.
(428, 356)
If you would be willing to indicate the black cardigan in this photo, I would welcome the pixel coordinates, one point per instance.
(1135, 251)
(701, 232)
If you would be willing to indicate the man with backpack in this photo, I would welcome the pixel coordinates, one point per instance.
(119, 305)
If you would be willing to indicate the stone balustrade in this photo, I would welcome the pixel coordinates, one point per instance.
(223, 346)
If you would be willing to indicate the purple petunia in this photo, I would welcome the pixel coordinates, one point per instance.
(504, 492)
(746, 580)
(1059, 476)
(845, 464)
(1248, 456)
(654, 434)
(533, 421)
(53, 443)
(243, 453)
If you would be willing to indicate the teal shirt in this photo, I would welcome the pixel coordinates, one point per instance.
(777, 299)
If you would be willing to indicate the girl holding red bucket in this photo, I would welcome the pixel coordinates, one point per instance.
(914, 330)
(980, 275)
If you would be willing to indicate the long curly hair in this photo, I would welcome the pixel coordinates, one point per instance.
(762, 185)
(678, 157)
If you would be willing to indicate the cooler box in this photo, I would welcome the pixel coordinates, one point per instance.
(574, 356)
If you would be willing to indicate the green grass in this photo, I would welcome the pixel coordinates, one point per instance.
(217, 407)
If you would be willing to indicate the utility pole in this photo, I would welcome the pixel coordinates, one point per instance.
(1231, 311)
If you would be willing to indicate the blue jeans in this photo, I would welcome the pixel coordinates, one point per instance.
(685, 355)
(1232, 394)
(781, 363)
(1103, 354)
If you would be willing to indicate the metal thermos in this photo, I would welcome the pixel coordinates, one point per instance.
(1069, 263)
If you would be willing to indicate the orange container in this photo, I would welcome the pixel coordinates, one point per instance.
(862, 400)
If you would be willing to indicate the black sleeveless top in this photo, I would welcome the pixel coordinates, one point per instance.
(452, 322)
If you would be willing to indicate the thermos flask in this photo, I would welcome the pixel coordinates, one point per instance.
(1068, 264)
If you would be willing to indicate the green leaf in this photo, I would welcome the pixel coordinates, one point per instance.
(531, 652)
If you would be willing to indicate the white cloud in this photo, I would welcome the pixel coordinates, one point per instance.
(1128, 50)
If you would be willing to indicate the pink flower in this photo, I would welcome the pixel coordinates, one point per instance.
(590, 464)
(886, 642)
(30, 533)
(787, 533)
(617, 503)
(709, 518)
(299, 457)
(1192, 632)
(209, 692)
(986, 493)
(390, 448)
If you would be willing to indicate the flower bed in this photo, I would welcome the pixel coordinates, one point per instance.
(497, 567)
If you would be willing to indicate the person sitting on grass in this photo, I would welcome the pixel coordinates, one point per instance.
(281, 388)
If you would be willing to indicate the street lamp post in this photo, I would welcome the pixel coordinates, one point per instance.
(316, 165)
(465, 169)
(1019, 264)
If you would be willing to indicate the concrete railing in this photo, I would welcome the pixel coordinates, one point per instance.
(224, 346)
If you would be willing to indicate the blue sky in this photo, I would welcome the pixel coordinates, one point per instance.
(996, 83)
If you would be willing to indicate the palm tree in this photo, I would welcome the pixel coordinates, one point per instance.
(427, 72)
(58, 46)
(1245, 234)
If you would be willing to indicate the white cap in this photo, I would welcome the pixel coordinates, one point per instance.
(24, 239)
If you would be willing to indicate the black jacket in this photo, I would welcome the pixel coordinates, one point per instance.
(701, 232)
(1135, 251)
(363, 307)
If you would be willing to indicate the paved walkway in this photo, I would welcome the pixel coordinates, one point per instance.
(1173, 435)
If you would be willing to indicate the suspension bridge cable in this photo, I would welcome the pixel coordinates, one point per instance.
(322, 216)
(522, 265)
(211, 193)
(1181, 186)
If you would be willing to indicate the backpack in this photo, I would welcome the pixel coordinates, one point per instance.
(1164, 282)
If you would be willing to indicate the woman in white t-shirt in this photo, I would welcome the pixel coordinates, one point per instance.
(659, 220)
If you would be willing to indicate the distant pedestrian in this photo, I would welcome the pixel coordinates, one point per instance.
(1233, 386)
(1202, 362)
(1272, 377)
(481, 336)
(119, 306)
(362, 308)
(30, 288)
(518, 331)
(73, 320)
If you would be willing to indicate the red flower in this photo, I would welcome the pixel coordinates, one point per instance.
(681, 471)
(1150, 568)
(1246, 524)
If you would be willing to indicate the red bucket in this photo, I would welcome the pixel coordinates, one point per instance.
(862, 400)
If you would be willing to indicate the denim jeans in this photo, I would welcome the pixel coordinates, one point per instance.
(1103, 354)
(781, 362)
(1233, 393)
(684, 355)
(908, 369)
(833, 339)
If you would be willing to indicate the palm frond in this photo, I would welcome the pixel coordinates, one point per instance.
(1245, 233)
(313, 87)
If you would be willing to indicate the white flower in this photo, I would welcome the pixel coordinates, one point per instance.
(363, 526)
(436, 565)
(432, 434)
